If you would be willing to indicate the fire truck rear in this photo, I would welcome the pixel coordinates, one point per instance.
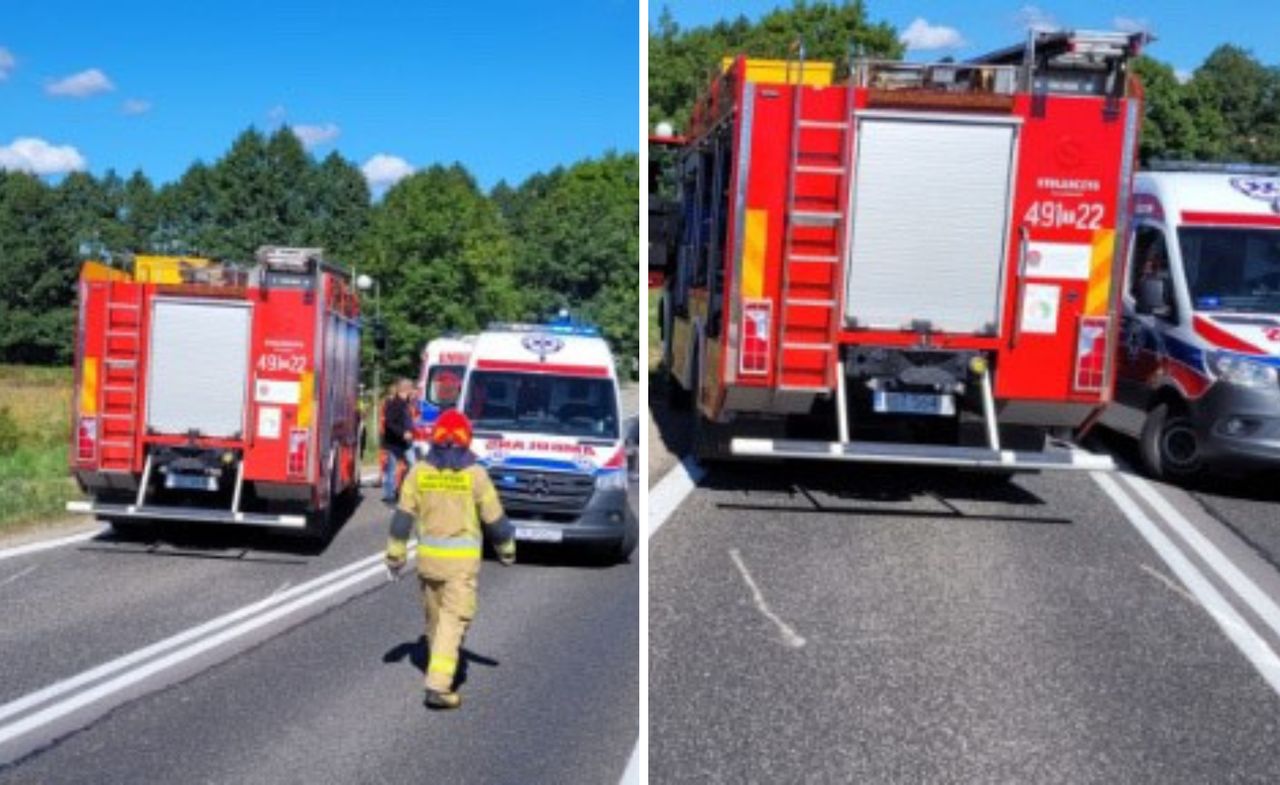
(210, 392)
(917, 265)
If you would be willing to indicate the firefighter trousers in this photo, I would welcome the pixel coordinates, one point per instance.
(449, 599)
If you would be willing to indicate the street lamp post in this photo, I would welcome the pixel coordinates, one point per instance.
(364, 283)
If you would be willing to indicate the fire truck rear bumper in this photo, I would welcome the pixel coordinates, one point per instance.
(924, 455)
(194, 514)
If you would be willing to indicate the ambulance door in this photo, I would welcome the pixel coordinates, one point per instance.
(1142, 333)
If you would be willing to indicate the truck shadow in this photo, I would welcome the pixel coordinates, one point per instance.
(415, 653)
(675, 425)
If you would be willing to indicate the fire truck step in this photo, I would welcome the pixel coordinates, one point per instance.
(827, 125)
(814, 347)
(836, 171)
(116, 305)
(121, 362)
(813, 258)
(808, 303)
(814, 218)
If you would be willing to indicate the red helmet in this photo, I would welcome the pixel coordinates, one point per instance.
(452, 427)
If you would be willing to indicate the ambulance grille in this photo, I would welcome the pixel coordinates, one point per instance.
(543, 495)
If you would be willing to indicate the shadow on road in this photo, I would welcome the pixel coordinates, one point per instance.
(221, 541)
(416, 653)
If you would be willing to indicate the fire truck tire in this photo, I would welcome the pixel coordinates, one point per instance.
(131, 528)
(1169, 446)
(678, 398)
(710, 440)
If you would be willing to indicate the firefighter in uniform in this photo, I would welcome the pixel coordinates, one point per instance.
(447, 498)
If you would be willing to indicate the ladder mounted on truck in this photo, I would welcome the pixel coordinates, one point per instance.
(813, 235)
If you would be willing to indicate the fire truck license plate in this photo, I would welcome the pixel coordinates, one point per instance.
(190, 482)
(914, 403)
(538, 534)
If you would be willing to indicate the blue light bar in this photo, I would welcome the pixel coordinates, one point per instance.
(1216, 167)
(589, 330)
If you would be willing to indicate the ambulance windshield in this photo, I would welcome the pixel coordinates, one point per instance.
(1232, 269)
(542, 403)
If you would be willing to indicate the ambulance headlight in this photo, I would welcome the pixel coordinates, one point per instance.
(612, 481)
(1242, 371)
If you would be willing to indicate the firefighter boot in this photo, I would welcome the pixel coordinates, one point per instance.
(441, 700)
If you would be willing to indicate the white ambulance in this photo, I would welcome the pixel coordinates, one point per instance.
(444, 365)
(547, 420)
(1197, 371)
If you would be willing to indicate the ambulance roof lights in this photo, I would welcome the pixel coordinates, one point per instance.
(558, 328)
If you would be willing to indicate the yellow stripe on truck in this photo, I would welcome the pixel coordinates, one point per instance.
(1100, 265)
(755, 236)
(89, 386)
(306, 388)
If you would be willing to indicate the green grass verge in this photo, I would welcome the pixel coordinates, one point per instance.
(35, 411)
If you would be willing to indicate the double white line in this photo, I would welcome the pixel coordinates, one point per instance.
(22, 719)
(1254, 647)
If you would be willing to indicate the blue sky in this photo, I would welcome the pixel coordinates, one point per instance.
(1187, 31)
(507, 88)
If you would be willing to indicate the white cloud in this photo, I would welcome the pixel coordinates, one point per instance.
(7, 62)
(29, 154)
(921, 36)
(1128, 24)
(312, 135)
(384, 170)
(275, 115)
(135, 106)
(1033, 16)
(81, 85)
(1183, 75)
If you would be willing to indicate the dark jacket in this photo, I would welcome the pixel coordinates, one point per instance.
(397, 418)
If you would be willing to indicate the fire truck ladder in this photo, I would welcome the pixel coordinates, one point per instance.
(817, 190)
(119, 391)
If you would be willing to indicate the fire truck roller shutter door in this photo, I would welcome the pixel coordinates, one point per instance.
(198, 371)
(930, 219)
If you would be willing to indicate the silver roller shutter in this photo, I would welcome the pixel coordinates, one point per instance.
(930, 215)
(197, 375)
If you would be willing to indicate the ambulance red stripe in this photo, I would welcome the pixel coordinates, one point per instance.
(1200, 218)
(594, 371)
(1221, 338)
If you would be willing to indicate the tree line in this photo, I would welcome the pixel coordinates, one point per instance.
(1227, 109)
(447, 255)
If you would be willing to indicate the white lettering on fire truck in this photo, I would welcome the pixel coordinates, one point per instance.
(285, 363)
(1068, 185)
(1086, 216)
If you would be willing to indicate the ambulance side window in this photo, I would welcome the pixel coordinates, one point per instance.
(1150, 259)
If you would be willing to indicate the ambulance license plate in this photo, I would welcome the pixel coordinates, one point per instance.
(539, 534)
(914, 403)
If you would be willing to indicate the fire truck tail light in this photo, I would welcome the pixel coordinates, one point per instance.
(87, 438)
(1091, 354)
(89, 386)
(297, 452)
(306, 390)
(756, 332)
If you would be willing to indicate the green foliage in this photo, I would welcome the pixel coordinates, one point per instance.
(443, 258)
(1229, 110)
(682, 61)
(579, 245)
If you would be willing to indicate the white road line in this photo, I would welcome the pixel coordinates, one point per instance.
(18, 575)
(1245, 638)
(671, 490)
(789, 635)
(1241, 584)
(84, 678)
(44, 545)
(81, 699)
(632, 775)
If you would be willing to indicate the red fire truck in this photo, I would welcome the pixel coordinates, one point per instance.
(217, 393)
(919, 264)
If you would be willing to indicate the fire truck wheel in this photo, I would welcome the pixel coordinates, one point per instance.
(131, 528)
(678, 398)
(710, 440)
(1169, 445)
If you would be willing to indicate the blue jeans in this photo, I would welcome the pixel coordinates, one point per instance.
(396, 455)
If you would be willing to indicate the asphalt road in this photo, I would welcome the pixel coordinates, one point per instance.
(329, 689)
(827, 623)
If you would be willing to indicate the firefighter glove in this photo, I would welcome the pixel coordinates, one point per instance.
(506, 551)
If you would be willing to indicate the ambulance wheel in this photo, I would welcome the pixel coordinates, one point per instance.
(1169, 444)
(630, 539)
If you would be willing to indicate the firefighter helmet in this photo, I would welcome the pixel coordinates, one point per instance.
(452, 427)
